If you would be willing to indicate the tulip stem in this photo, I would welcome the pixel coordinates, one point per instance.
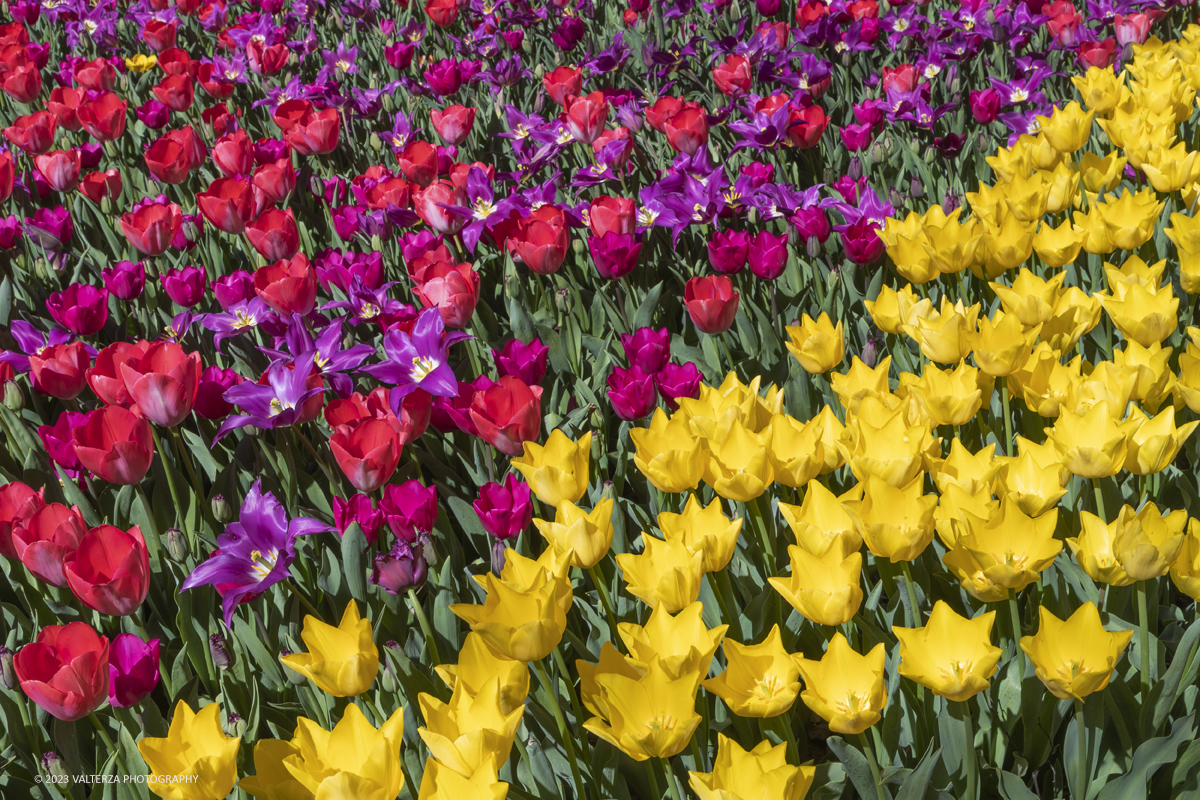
(567, 740)
(768, 545)
(153, 542)
(1144, 639)
(605, 600)
(294, 589)
(1014, 614)
(1008, 437)
(972, 756)
(108, 743)
(186, 458)
(180, 506)
(575, 707)
(912, 594)
(423, 621)
(1081, 730)
(1099, 500)
(654, 790)
(672, 783)
(869, 752)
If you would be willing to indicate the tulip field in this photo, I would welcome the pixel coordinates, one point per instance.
(599, 399)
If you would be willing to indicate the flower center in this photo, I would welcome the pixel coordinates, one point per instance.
(522, 131)
(262, 563)
(901, 25)
(279, 406)
(852, 704)
(422, 366)
(483, 208)
(646, 217)
(344, 65)
(932, 71)
(368, 311)
(768, 687)
(243, 320)
(1019, 96)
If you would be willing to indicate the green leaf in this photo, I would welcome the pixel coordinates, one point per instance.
(857, 767)
(645, 311)
(917, 783)
(1013, 788)
(1147, 759)
(354, 545)
(202, 453)
(1182, 672)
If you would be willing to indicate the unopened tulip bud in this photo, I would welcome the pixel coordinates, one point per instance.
(847, 58)
(870, 353)
(578, 246)
(54, 766)
(596, 417)
(831, 175)
(855, 171)
(376, 242)
(7, 675)
(990, 16)
(220, 508)
(539, 71)
(222, 655)
(950, 202)
(190, 230)
(106, 205)
(498, 548)
(878, 153)
(177, 546)
(983, 143)
(562, 299)
(894, 196)
(388, 680)
(813, 247)
(235, 726)
(916, 189)
(929, 155)
(14, 398)
(888, 144)
(317, 186)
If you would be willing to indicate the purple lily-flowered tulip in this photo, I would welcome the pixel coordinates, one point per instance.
(254, 553)
(241, 317)
(332, 362)
(418, 360)
(32, 342)
(278, 404)
(132, 669)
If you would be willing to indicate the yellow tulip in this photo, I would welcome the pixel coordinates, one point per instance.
(796, 450)
(893, 450)
(1002, 345)
(819, 346)
(951, 397)
(1042, 155)
(1026, 197)
(1134, 272)
(861, 381)
(667, 452)
(1169, 169)
(681, 642)
(653, 716)
(1035, 486)
(953, 245)
(712, 413)
(1093, 548)
(1185, 571)
(952, 656)
(760, 680)
(1187, 387)
(1106, 383)
(971, 472)
(477, 664)
(1063, 182)
(1184, 232)
(945, 337)
(1155, 442)
(1101, 174)
(1044, 382)
(559, 470)
(1130, 219)
(896, 523)
(196, 760)
(355, 759)
(1097, 240)
(821, 523)
(906, 245)
(760, 774)
(1092, 444)
(1011, 548)
(141, 63)
(611, 662)
(1008, 242)
(1148, 542)
(341, 661)
(439, 782)
(825, 589)
(1075, 314)
(1098, 88)
(892, 310)
(1154, 380)
(844, 688)
(739, 464)
(470, 731)
(705, 529)
(1068, 128)
(1077, 656)
(1189, 269)
(665, 574)
(1030, 298)
(1008, 163)
(1144, 316)
(831, 433)
(587, 535)
(1060, 246)
(524, 615)
(949, 518)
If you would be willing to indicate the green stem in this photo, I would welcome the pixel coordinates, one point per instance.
(1081, 730)
(108, 742)
(1008, 437)
(605, 600)
(672, 784)
(869, 752)
(186, 458)
(1144, 640)
(423, 621)
(374, 709)
(304, 601)
(567, 740)
(654, 790)
(1015, 616)
(912, 594)
(768, 545)
(153, 537)
(1099, 501)
(576, 709)
(179, 505)
(972, 756)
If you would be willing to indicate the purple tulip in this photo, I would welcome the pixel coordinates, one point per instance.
(759, 174)
(50, 227)
(985, 105)
(234, 288)
(339, 268)
(418, 360)
(401, 569)
(80, 308)
(768, 255)
(524, 361)
(268, 151)
(504, 509)
(210, 392)
(254, 553)
(277, 404)
(631, 392)
(125, 280)
(10, 232)
(90, 155)
(615, 254)
(132, 669)
(857, 137)
(444, 77)
(728, 250)
(153, 114)
(768, 8)
(357, 509)
(186, 285)
(400, 54)
(59, 445)
(409, 509)
(810, 222)
(676, 381)
(569, 33)
(513, 38)
(647, 348)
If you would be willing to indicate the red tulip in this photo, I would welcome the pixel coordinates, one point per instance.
(233, 154)
(274, 234)
(163, 382)
(193, 146)
(115, 444)
(662, 110)
(308, 131)
(33, 133)
(452, 288)
(902, 78)
(586, 116)
(388, 193)
(419, 162)
(105, 377)
(59, 168)
(277, 180)
(96, 186)
(58, 370)
(267, 59)
(288, 286)
(1100, 54)
(110, 570)
(45, 540)
(442, 12)
(620, 155)
(152, 228)
(687, 131)
(453, 123)
(65, 671)
(563, 82)
(615, 214)
(97, 75)
(732, 76)
(214, 83)
(176, 92)
(177, 62)
(63, 104)
(8, 178)
(711, 302)
(542, 241)
(23, 84)
(508, 413)
(227, 204)
(18, 502)
(806, 126)
(159, 35)
(167, 161)
(367, 451)
(104, 117)
(428, 202)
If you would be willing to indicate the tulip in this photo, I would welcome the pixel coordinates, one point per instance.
(796, 452)
(342, 661)
(1155, 442)
(195, 760)
(115, 444)
(652, 716)
(682, 643)
(105, 377)
(728, 251)
(668, 454)
(824, 589)
(289, 286)
(210, 400)
(844, 688)
(508, 414)
(1033, 486)
(410, 510)
(132, 669)
(473, 730)
(428, 205)
(1004, 553)
(861, 382)
(971, 472)
(823, 522)
(109, 571)
(60, 369)
(767, 255)
(585, 536)
(60, 169)
(1075, 657)
(1130, 219)
(760, 773)
(647, 348)
(952, 656)
(504, 509)
(1091, 443)
(558, 470)
(676, 382)
(163, 382)
(615, 254)
(124, 280)
(1142, 315)
(586, 116)
(65, 671)
(45, 541)
(739, 466)
(451, 288)
(632, 392)
(274, 234)
(443, 13)
(151, 227)
(18, 502)
(896, 523)
(665, 573)
(950, 397)
(543, 239)
(703, 529)
(521, 360)
(453, 123)
(687, 131)
(444, 77)
(760, 680)
(33, 133)
(80, 308)
(103, 117)
(478, 665)
(227, 204)
(711, 302)
(818, 346)
(367, 451)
